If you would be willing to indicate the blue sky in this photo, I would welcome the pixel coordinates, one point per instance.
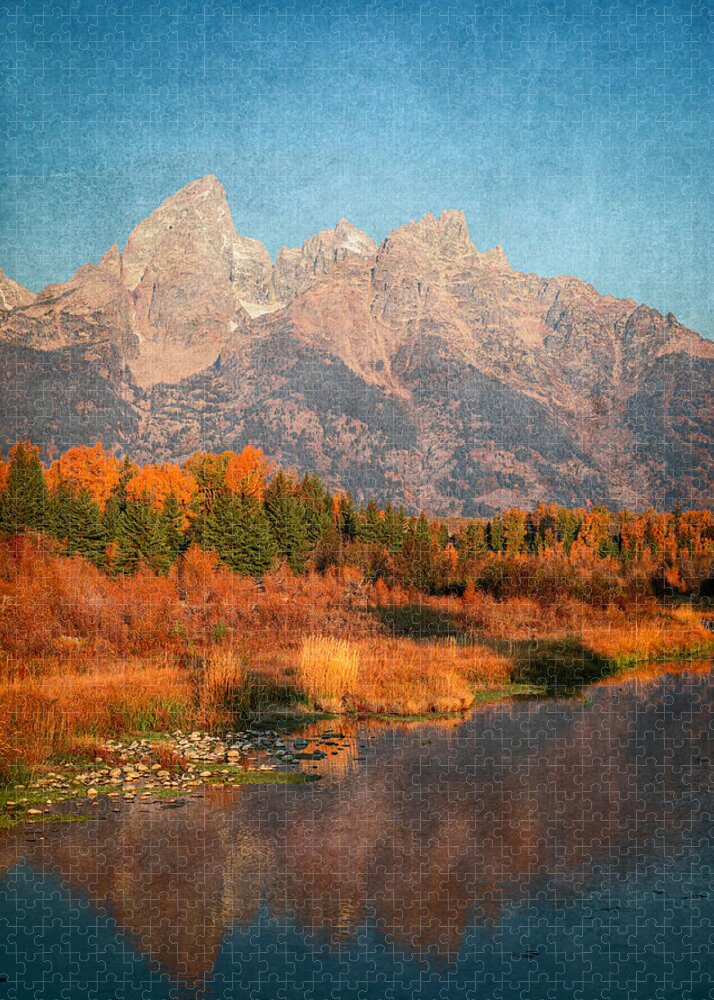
(577, 135)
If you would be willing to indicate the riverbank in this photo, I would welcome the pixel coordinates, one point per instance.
(166, 769)
(62, 709)
(85, 658)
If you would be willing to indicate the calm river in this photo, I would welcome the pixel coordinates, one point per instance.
(554, 848)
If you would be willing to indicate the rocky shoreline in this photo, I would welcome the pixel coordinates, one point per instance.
(171, 766)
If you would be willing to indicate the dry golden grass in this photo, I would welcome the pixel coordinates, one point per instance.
(407, 677)
(623, 634)
(652, 671)
(652, 633)
(328, 671)
(71, 703)
(220, 683)
(397, 676)
(89, 656)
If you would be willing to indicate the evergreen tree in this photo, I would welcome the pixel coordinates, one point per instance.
(514, 532)
(369, 524)
(418, 555)
(393, 528)
(111, 518)
(75, 519)
(317, 505)
(24, 502)
(139, 538)
(567, 527)
(238, 530)
(286, 515)
(496, 534)
(116, 505)
(346, 517)
(471, 543)
(171, 533)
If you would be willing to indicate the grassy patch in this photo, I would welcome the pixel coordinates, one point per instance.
(484, 696)
(34, 797)
(56, 818)
(559, 664)
(515, 690)
(292, 718)
(10, 820)
(273, 778)
(237, 776)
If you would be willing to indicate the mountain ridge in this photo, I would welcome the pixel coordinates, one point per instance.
(486, 386)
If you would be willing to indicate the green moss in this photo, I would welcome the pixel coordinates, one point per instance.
(57, 818)
(237, 776)
(515, 690)
(699, 651)
(8, 821)
(168, 793)
(34, 797)
(291, 718)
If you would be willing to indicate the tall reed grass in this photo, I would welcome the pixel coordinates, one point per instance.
(68, 706)
(220, 685)
(328, 671)
(397, 676)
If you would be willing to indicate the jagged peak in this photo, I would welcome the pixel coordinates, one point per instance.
(111, 261)
(189, 196)
(12, 293)
(202, 186)
(199, 212)
(446, 234)
(495, 257)
(344, 236)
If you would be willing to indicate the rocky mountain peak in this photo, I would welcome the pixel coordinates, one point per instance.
(495, 257)
(111, 261)
(420, 361)
(352, 240)
(446, 236)
(194, 221)
(298, 268)
(12, 293)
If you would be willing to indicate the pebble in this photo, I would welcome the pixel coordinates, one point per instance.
(128, 769)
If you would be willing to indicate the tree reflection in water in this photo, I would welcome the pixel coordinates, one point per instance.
(560, 841)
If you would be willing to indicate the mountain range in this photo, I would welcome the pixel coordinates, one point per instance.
(419, 370)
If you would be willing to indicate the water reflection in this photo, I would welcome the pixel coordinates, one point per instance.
(558, 846)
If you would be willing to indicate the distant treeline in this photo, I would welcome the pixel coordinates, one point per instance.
(121, 516)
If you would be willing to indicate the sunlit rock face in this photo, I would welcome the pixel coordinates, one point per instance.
(299, 268)
(421, 369)
(12, 293)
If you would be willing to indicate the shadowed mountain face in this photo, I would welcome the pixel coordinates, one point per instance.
(420, 370)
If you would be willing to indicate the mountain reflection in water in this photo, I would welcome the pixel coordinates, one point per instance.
(558, 848)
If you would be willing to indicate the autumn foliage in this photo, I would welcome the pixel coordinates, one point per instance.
(159, 482)
(126, 517)
(86, 469)
(247, 473)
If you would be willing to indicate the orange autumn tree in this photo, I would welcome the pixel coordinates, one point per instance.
(159, 482)
(85, 468)
(695, 533)
(247, 472)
